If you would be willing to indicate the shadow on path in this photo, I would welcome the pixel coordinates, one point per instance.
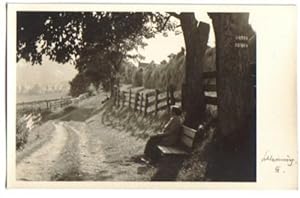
(168, 168)
(73, 113)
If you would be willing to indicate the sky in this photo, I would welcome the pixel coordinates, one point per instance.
(158, 49)
(48, 73)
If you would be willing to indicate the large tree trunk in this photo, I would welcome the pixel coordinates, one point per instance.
(235, 157)
(233, 71)
(195, 37)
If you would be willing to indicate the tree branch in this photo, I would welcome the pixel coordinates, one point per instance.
(164, 25)
(174, 14)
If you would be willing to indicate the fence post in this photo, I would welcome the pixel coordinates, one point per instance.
(146, 104)
(156, 101)
(141, 103)
(136, 101)
(183, 96)
(168, 100)
(172, 97)
(129, 101)
(123, 97)
(118, 105)
(115, 95)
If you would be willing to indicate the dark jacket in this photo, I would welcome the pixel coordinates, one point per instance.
(171, 131)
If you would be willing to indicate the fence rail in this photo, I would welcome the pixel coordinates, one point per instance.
(45, 104)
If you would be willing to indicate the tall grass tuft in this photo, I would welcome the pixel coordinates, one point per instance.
(25, 122)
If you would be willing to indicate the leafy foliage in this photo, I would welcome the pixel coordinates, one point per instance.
(96, 42)
(126, 71)
(167, 73)
(63, 35)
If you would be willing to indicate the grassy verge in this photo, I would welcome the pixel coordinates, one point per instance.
(135, 123)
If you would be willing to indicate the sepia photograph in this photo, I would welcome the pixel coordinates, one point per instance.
(136, 95)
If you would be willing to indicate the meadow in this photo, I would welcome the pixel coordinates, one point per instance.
(37, 97)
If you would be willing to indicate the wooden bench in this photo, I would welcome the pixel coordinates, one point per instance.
(185, 144)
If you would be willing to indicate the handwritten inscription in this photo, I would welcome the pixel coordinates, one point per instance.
(278, 161)
(272, 158)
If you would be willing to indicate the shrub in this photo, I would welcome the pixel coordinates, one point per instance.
(165, 74)
(25, 123)
(21, 132)
(127, 70)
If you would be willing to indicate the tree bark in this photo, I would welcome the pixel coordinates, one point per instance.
(195, 37)
(233, 71)
(112, 86)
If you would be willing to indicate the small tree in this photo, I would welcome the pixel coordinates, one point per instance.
(79, 85)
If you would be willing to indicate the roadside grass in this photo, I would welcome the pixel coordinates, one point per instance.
(26, 121)
(37, 137)
(29, 125)
(135, 123)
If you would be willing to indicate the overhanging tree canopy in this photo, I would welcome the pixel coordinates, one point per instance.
(72, 36)
(96, 42)
(63, 35)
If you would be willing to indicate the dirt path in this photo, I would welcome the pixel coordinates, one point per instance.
(85, 151)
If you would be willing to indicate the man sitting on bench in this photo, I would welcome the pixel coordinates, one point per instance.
(170, 136)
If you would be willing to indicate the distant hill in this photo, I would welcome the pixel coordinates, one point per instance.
(50, 73)
(40, 89)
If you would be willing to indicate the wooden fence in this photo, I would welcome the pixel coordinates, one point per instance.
(154, 101)
(44, 104)
(144, 102)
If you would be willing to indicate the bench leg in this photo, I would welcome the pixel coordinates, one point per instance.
(151, 149)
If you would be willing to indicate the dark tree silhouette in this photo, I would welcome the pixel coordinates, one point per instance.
(91, 37)
(63, 35)
(79, 85)
(86, 38)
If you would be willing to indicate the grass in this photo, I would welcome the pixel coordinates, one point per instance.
(37, 137)
(26, 122)
(125, 119)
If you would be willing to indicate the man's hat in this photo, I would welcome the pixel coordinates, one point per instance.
(176, 109)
